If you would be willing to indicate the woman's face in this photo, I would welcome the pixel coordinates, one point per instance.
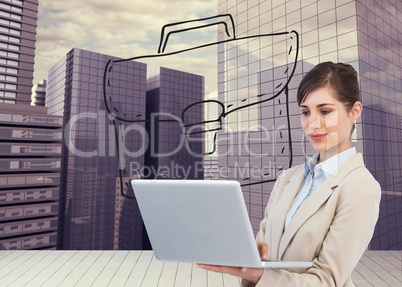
(326, 122)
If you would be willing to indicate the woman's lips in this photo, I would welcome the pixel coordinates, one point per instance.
(317, 137)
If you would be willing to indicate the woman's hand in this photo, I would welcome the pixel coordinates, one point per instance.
(251, 274)
(263, 249)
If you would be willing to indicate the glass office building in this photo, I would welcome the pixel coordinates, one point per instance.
(258, 78)
(17, 49)
(30, 160)
(175, 150)
(90, 164)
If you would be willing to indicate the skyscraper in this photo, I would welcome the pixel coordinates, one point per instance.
(361, 33)
(17, 49)
(173, 153)
(39, 94)
(30, 160)
(89, 159)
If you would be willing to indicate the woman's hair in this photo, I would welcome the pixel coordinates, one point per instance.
(340, 78)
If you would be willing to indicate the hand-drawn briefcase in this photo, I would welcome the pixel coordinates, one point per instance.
(279, 73)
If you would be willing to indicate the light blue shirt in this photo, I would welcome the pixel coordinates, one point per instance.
(316, 173)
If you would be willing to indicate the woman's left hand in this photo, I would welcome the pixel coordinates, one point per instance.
(251, 274)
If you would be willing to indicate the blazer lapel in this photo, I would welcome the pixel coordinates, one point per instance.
(315, 201)
(305, 211)
(279, 213)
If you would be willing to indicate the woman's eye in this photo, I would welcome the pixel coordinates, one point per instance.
(324, 112)
(304, 113)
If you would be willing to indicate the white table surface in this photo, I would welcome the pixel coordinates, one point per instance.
(141, 268)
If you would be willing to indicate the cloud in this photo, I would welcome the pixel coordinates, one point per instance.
(121, 28)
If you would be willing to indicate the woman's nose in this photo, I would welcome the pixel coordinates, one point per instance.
(315, 121)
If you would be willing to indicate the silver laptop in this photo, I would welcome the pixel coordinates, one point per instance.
(200, 221)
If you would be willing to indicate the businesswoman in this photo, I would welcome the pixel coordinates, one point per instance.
(324, 210)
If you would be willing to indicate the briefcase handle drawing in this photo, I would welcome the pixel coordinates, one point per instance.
(228, 17)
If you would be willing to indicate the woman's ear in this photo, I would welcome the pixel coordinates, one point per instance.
(356, 110)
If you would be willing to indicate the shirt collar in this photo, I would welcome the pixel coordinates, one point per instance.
(329, 166)
(311, 163)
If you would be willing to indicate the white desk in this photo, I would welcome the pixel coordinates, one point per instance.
(140, 268)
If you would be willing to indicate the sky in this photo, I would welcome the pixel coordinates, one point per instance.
(121, 28)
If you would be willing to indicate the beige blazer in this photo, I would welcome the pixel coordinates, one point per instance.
(332, 228)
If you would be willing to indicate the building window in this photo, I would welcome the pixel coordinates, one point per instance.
(18, 2)
(7, 101)
(13, 55)
(15, 32)
(9, 46)
(16, 25)
(16, 17)
(13, 47)
(11, 87)
(7, 78)
(12, 63)
(8, 94)
(13, 39)
(12, 71)
(10, 23)
(12, 8)
(10, 15)
(10, 39)
(10, 31)
(5, 6)
(11, 79)
(16, 9)
(9, 54)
